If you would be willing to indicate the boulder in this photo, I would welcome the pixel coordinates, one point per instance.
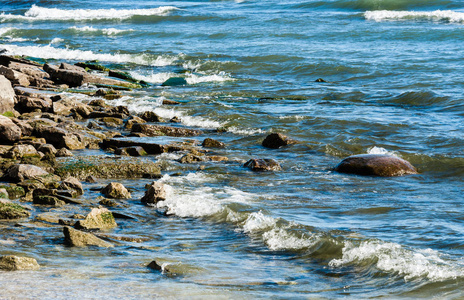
(20, 151)
(116, 190)
(157, 130)
(47, 149)
(72, 183)
(77, 238)
(211, 143)
(9, 210)
(14, 263)
(14, 76)
(22, 172)
(7, 95)
(133, 120)
(60, 137)
(98, 218)
(375, 165)
(9, 131)
(26, 128)
(156, 192)
(48, 200)
(263, 165)
(150, 116)
(276, 140)
(63, 152)
(29, 104)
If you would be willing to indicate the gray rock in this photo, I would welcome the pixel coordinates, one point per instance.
(116, 190)
(156, 192)
(9, 131)
(263, 165)
(375, 165)
(22, 172)
(79, 238)
(15, 76)
(47, 149)
(98, 218)
(14, 263)
(7, 95)
(20, 151)
(72, 183)
(63, 152)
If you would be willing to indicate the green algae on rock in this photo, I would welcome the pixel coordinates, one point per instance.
(9, 210)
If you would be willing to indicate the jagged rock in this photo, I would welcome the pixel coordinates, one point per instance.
(72, 183)
(375, 165)
(175, 120)
(156, 192)
(83, 110)
(29, 104)
(150, 116)
(277, 140)
(116, 190)
(98, 218)
(133, 120)
(111, 122)
(7, 95)
(60, 137)
(9, 131)
(157, 130)
(98, 102)
(263, 165)
(136, 151)
(21, 172)
(14, 76)
(14, 263)
(9, 210)
(63, 152)
(79, 238)
(211, 143)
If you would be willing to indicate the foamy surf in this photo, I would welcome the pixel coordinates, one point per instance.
(37, 13)
(434, 16)
(101, 31)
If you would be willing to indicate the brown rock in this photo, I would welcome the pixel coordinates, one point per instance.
(150, 116)
(276, 140)
(116, 190)
(14, 76)
(63, 152)
(263, 165)
(14, 263)
(211, 143)
(7, 95)
(157, 130)
(21, 172)
(20, 151)
(375, 165)
(9, 131)
(72, 183)
(10, 210)
(156, 192)
(79, 238)
(29, 104)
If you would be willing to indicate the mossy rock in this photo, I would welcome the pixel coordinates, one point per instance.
(92, 65)
(14, 191)
(9, 114)
(10, 210)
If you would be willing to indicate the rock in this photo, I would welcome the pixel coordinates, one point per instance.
(72, 183)
(111, 122)
(116, 190)
(21, 172)
(7, 95)
(211, 143)
(48, 200)
(133, 120)
(47, 149)
(98, 102)
(30, 104)
(170, 102)
(175, 81)
(90, 179)
(157, 130)
(263, 165)
(60, 137)
(108, 202)
(4, 194)
(14, 76)
(9, 210)
(175, 120)
(156, 192)
(14, 191)
(276, 140)
(77, 238)
(63, 152)
(136, 151)
(320, 80)
(20, 151)
(14, 263)
(98, 218)
(9, 131)
(26, 129)
(190, 158)
(150, 116)
(149, 147)
(82, 110)
(217, 158)
(375, 165)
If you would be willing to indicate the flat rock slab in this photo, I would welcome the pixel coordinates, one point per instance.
(14, 263)
(375, 165)
(77, 238)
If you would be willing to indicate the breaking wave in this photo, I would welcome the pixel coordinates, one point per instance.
(447, 16)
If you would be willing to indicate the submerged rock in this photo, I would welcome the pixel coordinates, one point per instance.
(79, 238)
(263, 165)
(175, 81)
(14, 263)
(375, 165)
(116, 190)
(98, 218)
(156, 192)
(277, 140)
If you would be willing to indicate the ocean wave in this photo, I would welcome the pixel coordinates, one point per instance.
(447, 16)
(103, 31)
(42, 13)
(380, 150)
(189, 77)
(379, 4)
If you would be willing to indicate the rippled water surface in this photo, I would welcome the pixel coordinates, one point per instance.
(393, 83)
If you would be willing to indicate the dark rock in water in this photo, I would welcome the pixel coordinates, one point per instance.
(277, 140)
(375, 165)
(190, 159)
(320, 80)
(151, 116)
(156, 192)
(116, 190)
(157, 130)
(13, 263)
(9, 131)
(79, 238)
(150, 148)
(48, 200)
(175, 119)
(170, 102)
(263, 165)
(175, 81)
(211, 143)
(98, 218)
(9, 210)
(136, 151)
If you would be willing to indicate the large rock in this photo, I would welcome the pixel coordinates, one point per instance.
(9, 131)
(149, 147)
(263, 165)
(72, 183)
(277, 140)
(156, 192)
(116, 190)
(60, 137)
(211, 143)
(157, 130)
(22, 172)
(7, 95)
(20, 151)
(9, 210)
(98, 218)
(79, 238)
(375, 165)
(14, 76)
(14, 263)
(29, 104)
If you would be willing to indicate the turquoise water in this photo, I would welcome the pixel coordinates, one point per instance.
(394, 78)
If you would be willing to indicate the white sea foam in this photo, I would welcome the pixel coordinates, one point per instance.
(380, 150)
(434, 16)
(56, 41)
(257, 221)
(189, 77)
(6, 30)
(281, 239)
(49, 52)
(186, 119)
(392, 257)
(105, 31)
(43, 13)
(245, 131)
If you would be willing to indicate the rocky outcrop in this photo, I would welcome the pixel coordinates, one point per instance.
(9, 131)
(263, 165)
(77, 238)
(375, 165)
(116, 190)
(156, 192)
(7, 95)
(277, 140)
(98, 218)
(158, 130)
(15, 263)
(211, 143)
(9, 210)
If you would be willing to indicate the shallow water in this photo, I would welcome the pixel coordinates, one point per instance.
(394, 82)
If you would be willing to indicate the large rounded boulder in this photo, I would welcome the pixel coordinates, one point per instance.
(375, 165)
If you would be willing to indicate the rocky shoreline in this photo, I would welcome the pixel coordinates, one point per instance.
(40, 128)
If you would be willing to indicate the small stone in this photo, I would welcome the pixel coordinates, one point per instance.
(79, 238)
(276, 140)
(263, 165)
(116, 190)
(14, 263)
(211, 143)
(156, 192)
